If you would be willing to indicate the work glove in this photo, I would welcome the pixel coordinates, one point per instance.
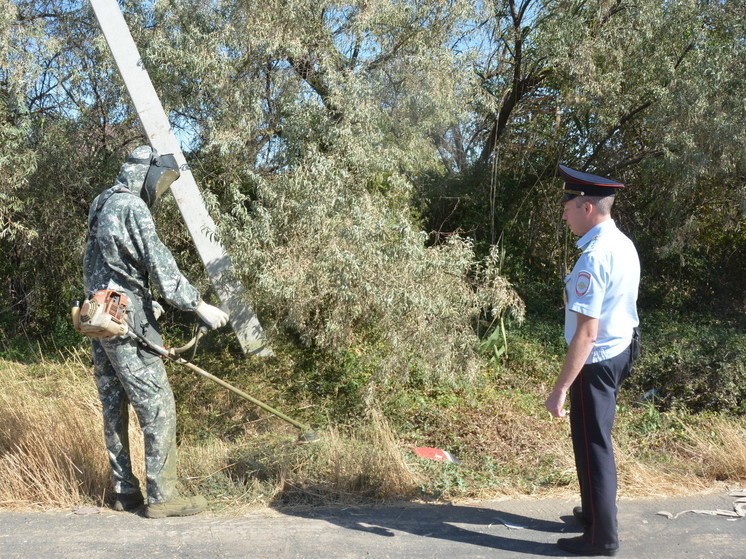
(212, 316)
(157, 309)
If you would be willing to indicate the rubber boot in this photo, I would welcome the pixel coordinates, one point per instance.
(178, 506)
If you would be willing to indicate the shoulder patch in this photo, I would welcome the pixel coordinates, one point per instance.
(582, 283)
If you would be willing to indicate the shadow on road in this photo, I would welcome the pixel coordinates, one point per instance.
(462, 524)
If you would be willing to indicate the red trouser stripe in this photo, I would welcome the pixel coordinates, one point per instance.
(589, 484)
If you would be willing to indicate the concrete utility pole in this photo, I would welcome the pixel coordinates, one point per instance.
(199, 223)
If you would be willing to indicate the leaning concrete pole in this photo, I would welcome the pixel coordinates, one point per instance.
(199, 223)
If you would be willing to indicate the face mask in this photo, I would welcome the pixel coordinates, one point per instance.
(163, 171)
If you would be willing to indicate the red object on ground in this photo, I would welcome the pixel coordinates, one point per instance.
(435, 454)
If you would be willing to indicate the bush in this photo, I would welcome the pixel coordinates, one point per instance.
(699, 366)
(336, 258)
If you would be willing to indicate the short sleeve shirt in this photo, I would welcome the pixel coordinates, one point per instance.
(604, 284)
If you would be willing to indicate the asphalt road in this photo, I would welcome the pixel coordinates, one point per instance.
(496, 530)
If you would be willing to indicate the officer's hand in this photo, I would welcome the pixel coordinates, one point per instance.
(212, 316)
(556, 402)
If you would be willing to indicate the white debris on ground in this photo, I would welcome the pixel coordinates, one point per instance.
(739, 508)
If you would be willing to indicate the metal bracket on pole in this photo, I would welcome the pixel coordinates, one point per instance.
(199, 223)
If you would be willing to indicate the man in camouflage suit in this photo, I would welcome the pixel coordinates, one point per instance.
(124, 253)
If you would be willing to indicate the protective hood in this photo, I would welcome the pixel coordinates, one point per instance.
(148, 174)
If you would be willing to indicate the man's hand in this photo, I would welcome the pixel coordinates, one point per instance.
(212, 316)
(556, 403)
(157, 309)
(578, 351)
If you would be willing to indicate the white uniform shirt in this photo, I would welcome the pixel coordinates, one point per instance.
(603, 285)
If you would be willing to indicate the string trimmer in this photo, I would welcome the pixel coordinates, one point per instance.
(103, 315)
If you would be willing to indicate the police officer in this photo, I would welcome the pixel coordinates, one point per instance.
(123, 253)
(600, 322)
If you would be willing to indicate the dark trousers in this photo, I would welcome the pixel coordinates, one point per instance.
(592, 408)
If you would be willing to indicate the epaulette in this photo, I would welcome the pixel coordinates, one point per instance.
(592, 243)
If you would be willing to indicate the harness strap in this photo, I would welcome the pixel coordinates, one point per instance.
(102, 199)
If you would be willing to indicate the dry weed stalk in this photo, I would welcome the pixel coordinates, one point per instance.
(371, 461)
(718, 447)
(51, 448)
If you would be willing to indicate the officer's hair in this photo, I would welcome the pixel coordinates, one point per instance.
(603, 203)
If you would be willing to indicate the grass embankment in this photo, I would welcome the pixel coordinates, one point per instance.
(52, 454)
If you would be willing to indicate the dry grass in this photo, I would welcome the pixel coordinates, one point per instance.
(51, 443)
(641, 479)
(276, 470)
(716, 448)
(52, 452)
(682, 455)
(368, 462)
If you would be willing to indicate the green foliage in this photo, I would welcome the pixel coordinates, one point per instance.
(331, 139)
(495, 345)
(57, 139)
(624, 95)
(693, 362)
(697, 365)
(346, 267)
(650, 421)
(378, 172)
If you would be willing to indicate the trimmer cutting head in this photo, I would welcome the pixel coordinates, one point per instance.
(308, 437)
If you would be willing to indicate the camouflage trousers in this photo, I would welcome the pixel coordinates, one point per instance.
(125, 374)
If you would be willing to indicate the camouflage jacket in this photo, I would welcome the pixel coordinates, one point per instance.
(124, 252)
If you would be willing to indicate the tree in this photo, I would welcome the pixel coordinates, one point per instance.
(307, 125)
(338, 109)
(69, 125)
(610, 87)
(391, 139)
(657, 104)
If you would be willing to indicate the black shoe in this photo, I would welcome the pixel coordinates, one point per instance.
(578, 546)
(577, 512)
(127, 501)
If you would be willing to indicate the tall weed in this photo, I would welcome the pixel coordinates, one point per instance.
(52, 455)
(51, 447)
